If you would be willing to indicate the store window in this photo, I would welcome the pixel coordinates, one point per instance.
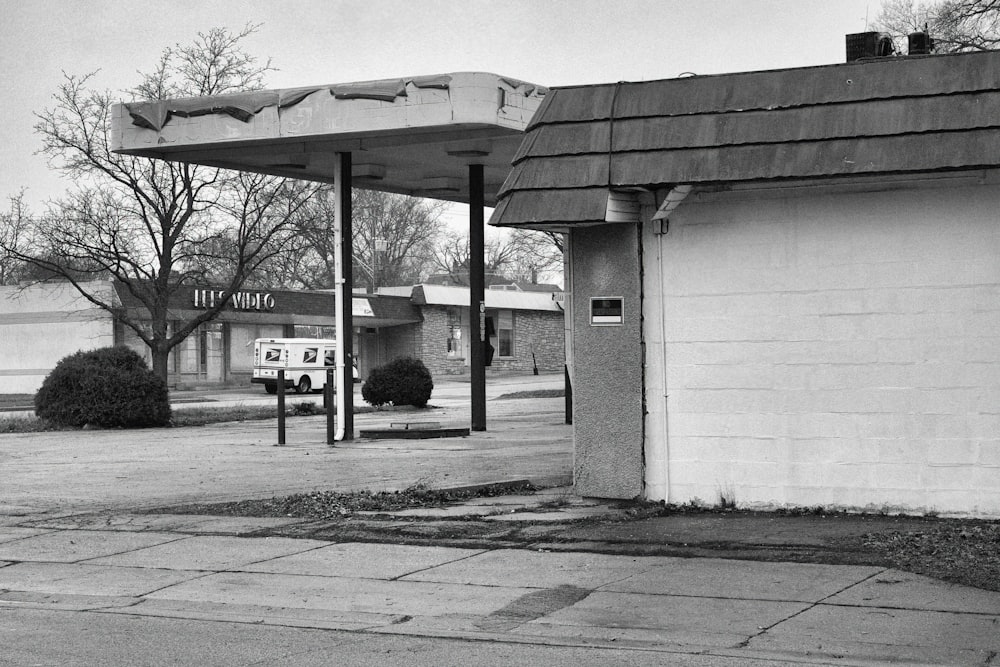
(202, 354)
(314, 331)
(505, 333)
(454, 342)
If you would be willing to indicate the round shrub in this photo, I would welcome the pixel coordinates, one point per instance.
(403, 381)
(110, 387)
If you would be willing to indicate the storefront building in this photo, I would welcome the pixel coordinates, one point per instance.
(42, 323)
(784, 283)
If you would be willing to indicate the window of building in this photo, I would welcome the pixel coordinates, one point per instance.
(454, 341)
(202, 354)
(314, 331)
(505, 333)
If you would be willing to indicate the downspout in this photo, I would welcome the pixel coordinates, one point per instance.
(338, 294)
(661, 226)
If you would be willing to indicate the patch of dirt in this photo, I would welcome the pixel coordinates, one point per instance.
(321, 505)
(534, 393)
(962, 552)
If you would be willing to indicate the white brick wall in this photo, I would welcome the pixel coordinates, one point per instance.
(834, 349)
(41, 324)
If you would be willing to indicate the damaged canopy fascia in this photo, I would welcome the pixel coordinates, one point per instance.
(414, 135)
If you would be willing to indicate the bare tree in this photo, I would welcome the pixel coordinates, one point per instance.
(393, 238)
(955, 25)
(517, 255)
(13, 224)
(155, 226)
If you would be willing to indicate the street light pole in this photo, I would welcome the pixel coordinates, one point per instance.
(380, 247)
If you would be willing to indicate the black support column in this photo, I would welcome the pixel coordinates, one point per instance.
(346, 381)
(477, 296)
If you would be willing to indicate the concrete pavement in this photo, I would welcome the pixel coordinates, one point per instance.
(70, 472)
(75, 555)
(196, 568)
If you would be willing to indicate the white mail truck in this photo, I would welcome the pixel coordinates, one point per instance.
(304, 360)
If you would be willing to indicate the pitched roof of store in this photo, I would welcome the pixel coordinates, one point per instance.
(881, 116)
(448, 295)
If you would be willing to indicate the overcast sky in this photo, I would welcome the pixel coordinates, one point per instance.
(548, 42)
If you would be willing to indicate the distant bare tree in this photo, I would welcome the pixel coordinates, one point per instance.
(393, 239)
(13, 224)
(514, 256)
(955, 25)
(155, 226)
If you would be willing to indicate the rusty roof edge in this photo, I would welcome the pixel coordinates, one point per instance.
(898, 60)
(539, 124)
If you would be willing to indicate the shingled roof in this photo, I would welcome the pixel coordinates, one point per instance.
(588, 144)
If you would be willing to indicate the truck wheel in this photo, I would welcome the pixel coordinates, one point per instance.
(271, 387)
(304, 385)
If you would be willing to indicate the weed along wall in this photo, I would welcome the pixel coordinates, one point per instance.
(607, 385)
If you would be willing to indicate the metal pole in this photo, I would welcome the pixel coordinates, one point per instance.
(329, 401)
(477, 296)
(281, 407)
(345, 383)
(343, 289)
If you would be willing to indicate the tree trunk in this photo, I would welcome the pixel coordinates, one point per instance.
(160, 356)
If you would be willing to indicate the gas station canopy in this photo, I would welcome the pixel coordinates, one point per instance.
(447, 136)
(414, 136)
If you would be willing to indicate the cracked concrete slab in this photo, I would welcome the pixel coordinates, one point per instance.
(345, 594)
(702, 621)
(903, 590)
(363, 560)
(86, 579)
(76, 545)
(533, 569)
(210, 552)
(327, 619)
(9, 533)
(875, 634)
(746, 580)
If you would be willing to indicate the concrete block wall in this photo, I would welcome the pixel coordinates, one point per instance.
(41, 324)
(827, 349)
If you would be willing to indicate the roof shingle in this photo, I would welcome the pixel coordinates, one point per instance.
(890, 115)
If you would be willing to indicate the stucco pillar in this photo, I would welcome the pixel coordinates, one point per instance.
(607, 363)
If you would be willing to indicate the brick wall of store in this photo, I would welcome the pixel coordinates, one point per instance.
(541, 332)
(538, 331)
(401, 341)
(434, 343)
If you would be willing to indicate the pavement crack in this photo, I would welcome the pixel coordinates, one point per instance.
(436, 565)
(764, 629)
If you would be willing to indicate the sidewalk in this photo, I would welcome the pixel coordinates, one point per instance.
(552, 594)
(77, 551)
